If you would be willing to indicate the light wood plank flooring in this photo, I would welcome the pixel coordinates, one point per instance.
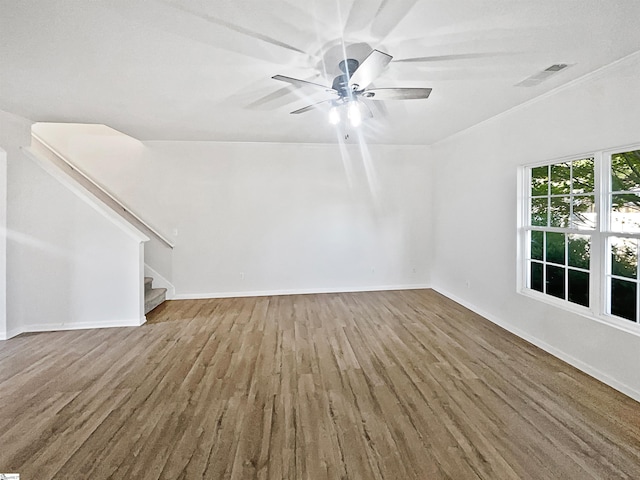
(384, 385)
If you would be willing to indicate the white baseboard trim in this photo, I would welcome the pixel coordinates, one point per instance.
(49, 327)
(305, 291)
(579, 364)
(12, 333)
(160, 281)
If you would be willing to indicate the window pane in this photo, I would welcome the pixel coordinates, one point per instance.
(539, 212)
(555, 281)
(579, 251)
(625, 171)
(623, 299)
(624, 257)
(536, 279)
(555, 248)
(540, 181)
(583, 176)
(560, 209)
(625, 212)
(584, 212)
(536, 244)
(560, 179)
(579, 287)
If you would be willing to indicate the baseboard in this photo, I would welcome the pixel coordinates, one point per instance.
(579, 364)
(11, 333)
(48, 327)
(306, 291)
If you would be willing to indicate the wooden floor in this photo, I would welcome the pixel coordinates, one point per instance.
(385, 385)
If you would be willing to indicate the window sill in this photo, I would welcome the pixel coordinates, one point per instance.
(626, 326)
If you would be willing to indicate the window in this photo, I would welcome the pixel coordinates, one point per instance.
(562, 212)
(623, 204)
(581, 234)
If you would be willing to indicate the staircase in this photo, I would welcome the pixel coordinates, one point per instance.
(152, 296)
(154, 250)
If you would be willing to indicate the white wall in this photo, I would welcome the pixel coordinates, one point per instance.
(15, 132)
(3, 244)
(296, 217)
(272, 218)
(475, 214)
(68, 265)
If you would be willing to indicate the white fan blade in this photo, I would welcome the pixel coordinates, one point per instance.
(272, 100)
(396, 93)
(379, 106)
(369, 69)
(310, 107)
(296, 82)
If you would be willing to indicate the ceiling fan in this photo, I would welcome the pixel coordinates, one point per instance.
(352, 84)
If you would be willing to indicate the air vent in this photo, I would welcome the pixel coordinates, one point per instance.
(556, 68)
(539, 77)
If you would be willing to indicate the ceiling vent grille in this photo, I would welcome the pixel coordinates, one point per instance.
(539, 77)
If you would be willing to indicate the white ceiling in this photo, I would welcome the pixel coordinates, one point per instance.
(201, 70)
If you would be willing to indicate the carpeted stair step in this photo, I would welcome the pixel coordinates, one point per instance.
(152, 296)
(147, 284)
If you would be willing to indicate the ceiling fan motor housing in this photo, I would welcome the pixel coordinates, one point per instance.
(341, 82)
(341, 85)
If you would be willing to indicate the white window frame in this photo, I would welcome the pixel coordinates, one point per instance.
(599, 267)
(611, 233)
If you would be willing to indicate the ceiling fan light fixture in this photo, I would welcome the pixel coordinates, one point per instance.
(334, 116)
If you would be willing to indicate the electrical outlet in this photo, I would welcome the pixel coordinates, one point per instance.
(241, 275)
